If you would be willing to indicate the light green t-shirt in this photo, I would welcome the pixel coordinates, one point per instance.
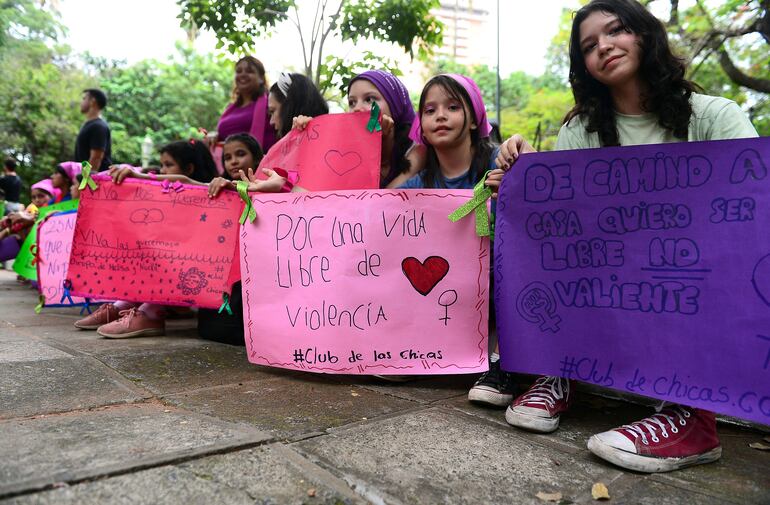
(713, 118)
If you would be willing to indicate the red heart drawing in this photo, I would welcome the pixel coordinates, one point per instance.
(425, 275)
(342, 163)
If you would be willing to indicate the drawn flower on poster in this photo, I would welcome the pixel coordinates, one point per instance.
(192, 281)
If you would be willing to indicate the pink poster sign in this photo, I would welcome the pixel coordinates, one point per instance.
(54, 242)
(334, 152)
(365, 282)
(148, 241)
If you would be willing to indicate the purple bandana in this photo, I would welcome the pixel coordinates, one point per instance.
(393, 91)
(479, 111)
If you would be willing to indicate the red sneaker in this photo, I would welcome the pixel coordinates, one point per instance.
(106, 313)
(540, 408)
(133, 323)
(674, 438)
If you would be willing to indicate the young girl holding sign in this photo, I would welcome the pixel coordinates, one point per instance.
(629, 90)
(401, 158)
(189, 163)
(452, 124)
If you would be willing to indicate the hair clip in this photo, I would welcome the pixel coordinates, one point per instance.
(284, 82)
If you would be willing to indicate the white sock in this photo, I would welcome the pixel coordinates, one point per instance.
(494, 357)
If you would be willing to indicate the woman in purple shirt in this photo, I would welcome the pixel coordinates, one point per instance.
(248, 111)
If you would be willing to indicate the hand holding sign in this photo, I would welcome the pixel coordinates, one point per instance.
(649, 263)
(327, 286)
(333, 151)
(145, 241)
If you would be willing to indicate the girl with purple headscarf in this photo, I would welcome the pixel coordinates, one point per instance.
(452, 124)
(401, 159)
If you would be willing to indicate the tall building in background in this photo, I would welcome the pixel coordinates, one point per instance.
(469, 31)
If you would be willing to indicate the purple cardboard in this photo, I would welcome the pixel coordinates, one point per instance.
(643, 269)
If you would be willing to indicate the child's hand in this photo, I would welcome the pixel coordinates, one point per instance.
(387, 125)
(510, 151)
(217, 184)
(120, 172)
(300, 122)
(273, 184)
(493, 181)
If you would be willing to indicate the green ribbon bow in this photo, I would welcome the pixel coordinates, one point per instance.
(87, 179)
(39, 306)
(484, 224)
(374, 119)
(248, 211)
(225, 304)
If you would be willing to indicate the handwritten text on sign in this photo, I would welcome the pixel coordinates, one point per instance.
(334, 151)
(54, 241)
(644, 269)
(365, 282)
(145, 242)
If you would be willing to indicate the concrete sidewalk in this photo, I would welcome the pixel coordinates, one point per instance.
(176, 419)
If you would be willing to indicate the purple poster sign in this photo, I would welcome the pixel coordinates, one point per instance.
(644, 269)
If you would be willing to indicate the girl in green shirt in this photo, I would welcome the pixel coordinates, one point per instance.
(630, 89)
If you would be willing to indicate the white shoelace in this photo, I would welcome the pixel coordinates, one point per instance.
(546, 391)
(658, 422)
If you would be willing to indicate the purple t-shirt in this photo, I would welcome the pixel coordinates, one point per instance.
(235, 120)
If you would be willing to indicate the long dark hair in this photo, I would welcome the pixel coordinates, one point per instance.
(251, 144)
(261, 90)
(301, 99)
(482, 147)
(194, 153)
(668, 92)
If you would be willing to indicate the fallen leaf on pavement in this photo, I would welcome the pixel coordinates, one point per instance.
(553, 497)
(760, 446)
(600, 492)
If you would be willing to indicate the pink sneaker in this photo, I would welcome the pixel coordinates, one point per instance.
(106, 313)
(674, 438)
(541, 406)
(133, 323)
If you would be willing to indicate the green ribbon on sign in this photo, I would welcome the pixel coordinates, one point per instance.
(87, 179)
(225, 304)
(248, 211)
(40, 302)
(374, 119)
(478, 204)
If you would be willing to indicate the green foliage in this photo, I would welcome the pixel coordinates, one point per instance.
(407, 23)
(336, 73)
(39, 92)
(167, 100)
(237, 23)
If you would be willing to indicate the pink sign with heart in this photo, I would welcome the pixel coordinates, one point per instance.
(333, 152)
(365, 282)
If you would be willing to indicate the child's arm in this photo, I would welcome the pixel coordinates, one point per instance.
(510, 151)
(494, 179)
(119, 174)
(416, 155)
(275, 183)
(300, 122)
(217, 184)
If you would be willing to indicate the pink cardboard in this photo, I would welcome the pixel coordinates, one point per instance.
(140, 241)
(334, 151)
(365, 282)
(54, 242)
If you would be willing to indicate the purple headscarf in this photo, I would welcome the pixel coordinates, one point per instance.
(393, 91)
(477, 102)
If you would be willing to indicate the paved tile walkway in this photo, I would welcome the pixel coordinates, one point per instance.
(176, 419)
